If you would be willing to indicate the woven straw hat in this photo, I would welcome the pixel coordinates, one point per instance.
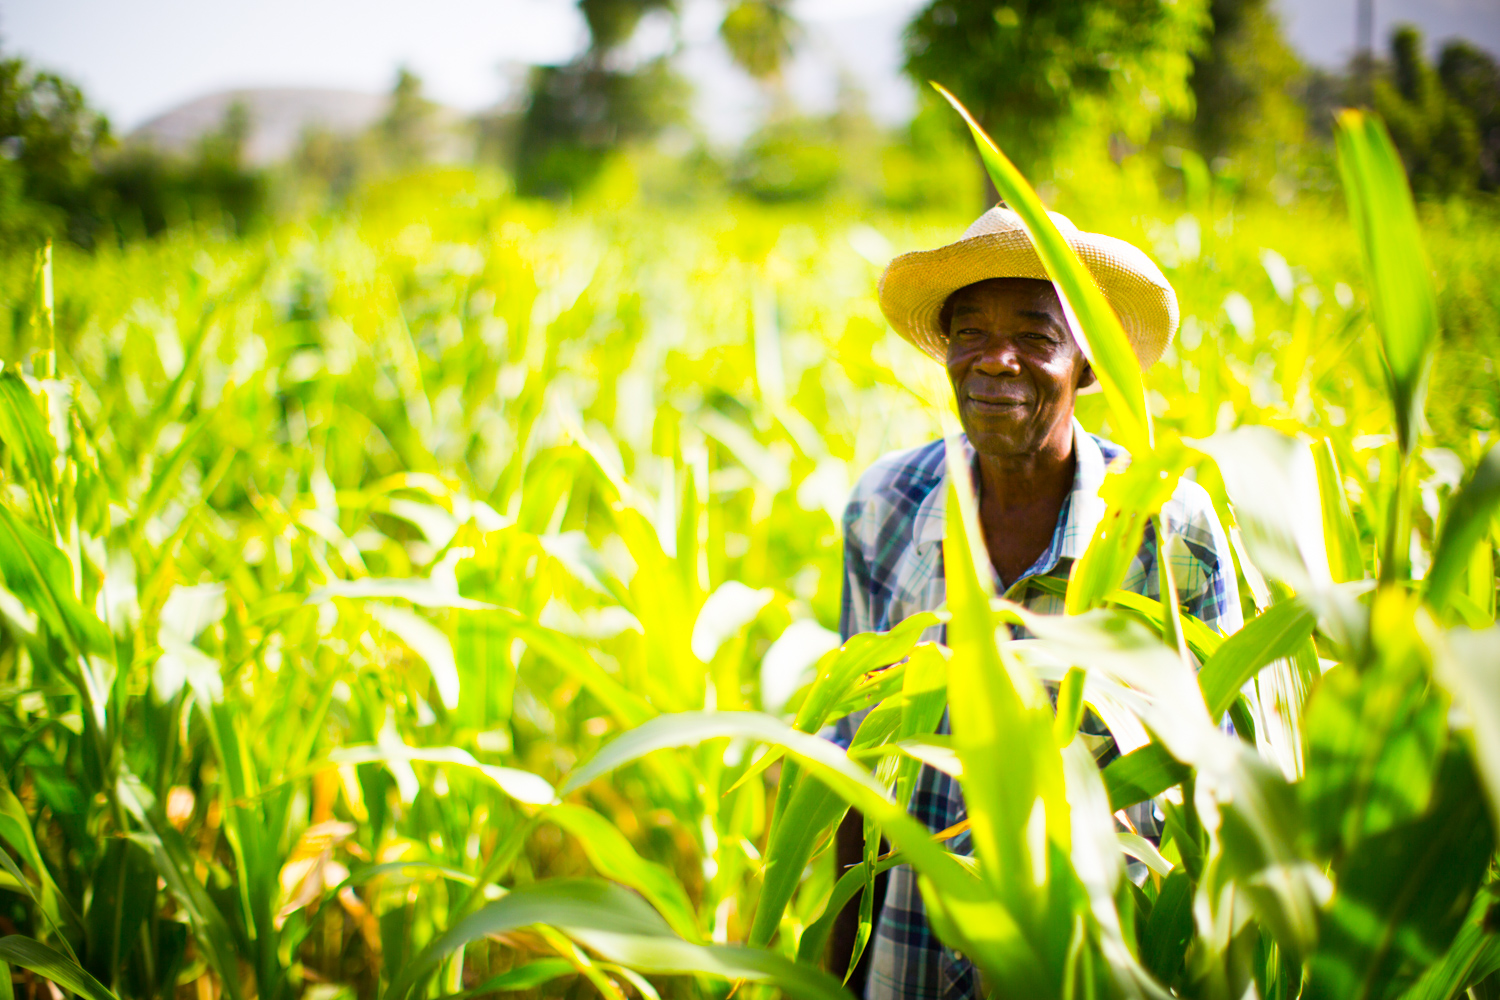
(915, 285)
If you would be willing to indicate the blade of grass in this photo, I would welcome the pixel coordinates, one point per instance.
(1094, 322)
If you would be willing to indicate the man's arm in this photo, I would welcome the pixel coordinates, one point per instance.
(849, 840)
(848, 851)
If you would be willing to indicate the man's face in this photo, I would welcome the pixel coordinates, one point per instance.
(1015, 368)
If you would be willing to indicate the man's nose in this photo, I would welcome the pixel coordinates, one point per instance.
(999, 357)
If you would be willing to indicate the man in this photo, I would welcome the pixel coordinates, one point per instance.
(982, 306)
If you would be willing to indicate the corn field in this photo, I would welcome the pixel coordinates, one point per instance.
(434, 599)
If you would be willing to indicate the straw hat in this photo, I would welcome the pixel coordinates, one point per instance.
(915, 285)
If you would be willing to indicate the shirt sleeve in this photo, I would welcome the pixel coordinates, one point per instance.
(1203, 565)
(854, 611)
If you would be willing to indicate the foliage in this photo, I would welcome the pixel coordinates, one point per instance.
(1242, 81)
(361, 578)
(760, 36)
(48, 139)
(1034, 73)
(578, 113)
(141, 192)
(1471, 77)
(1437, 135)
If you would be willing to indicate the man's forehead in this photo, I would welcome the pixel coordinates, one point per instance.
(1021, 294)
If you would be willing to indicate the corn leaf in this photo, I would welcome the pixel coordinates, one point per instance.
(30, 954)
(999, 712)
(177, 868)
(1467, 520)
(1346, 560)
(850, 884)
(824, 760)
(1403, 895)
(523, 977)
(1142, 774)
(615, 858)
(1399, 278)
(621, 927)
(1274, 635)
(1094, 322)
(1469, 668)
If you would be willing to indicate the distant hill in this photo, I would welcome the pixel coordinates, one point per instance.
(278, 118)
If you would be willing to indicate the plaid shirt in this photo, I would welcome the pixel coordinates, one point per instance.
(893, 568)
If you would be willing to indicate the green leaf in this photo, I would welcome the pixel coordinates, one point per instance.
(826, 761)
(23, 428)
(33, 955)
(1374, 743)
(625, 705)
(1069, 707)
(1403, 895)
(40, 574)
(621, 927)
(1142, 774)
(522, 977)
(1274, 635)
(1272, 482)
(1093, 321)
(523, 786)
(1469, 668)
(1133, 498)
(1466, 521)
(15, 829)
(1169, 929)
(177, 867)
(840, 670)
(1399, 277)
(849, 885)
(1000, 712)
(1201, 638)
(427, 641)
(1474, 954)
(1346, 560)
(612, 854)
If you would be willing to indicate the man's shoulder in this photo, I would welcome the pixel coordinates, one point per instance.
(1190, 511)
(895, 485)
(898, 476)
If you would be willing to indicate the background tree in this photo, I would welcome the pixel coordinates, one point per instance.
(1471, 77)
(579, 112)
(49, 137)
(405, 134)
(761, 36)
(1243, 81)
(1034, 72)
(1436, 135)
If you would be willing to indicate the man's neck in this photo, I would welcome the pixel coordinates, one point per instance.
(1020, 498)
(1008, 482)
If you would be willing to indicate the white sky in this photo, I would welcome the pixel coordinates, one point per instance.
(136, 58)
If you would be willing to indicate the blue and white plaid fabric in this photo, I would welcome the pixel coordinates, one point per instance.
(893, 568)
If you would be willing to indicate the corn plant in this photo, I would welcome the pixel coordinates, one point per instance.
(1359, 867)
(339, 571)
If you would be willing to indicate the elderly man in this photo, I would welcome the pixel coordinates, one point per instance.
(984, 308)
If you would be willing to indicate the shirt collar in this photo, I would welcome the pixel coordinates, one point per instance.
(1080, 515)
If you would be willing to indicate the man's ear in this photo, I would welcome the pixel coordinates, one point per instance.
(1086, 377)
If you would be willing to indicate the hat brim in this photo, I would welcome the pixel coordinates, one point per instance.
(915, 286)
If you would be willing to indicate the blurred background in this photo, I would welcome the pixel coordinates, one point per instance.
(118, 120)
(482, 378)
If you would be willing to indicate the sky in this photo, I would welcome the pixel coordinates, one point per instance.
(137, 58)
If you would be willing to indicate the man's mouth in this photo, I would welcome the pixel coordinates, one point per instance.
(996, 404)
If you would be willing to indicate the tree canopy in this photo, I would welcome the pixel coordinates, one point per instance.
(1033, 70)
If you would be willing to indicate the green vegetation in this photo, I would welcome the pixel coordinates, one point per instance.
(360, 577)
